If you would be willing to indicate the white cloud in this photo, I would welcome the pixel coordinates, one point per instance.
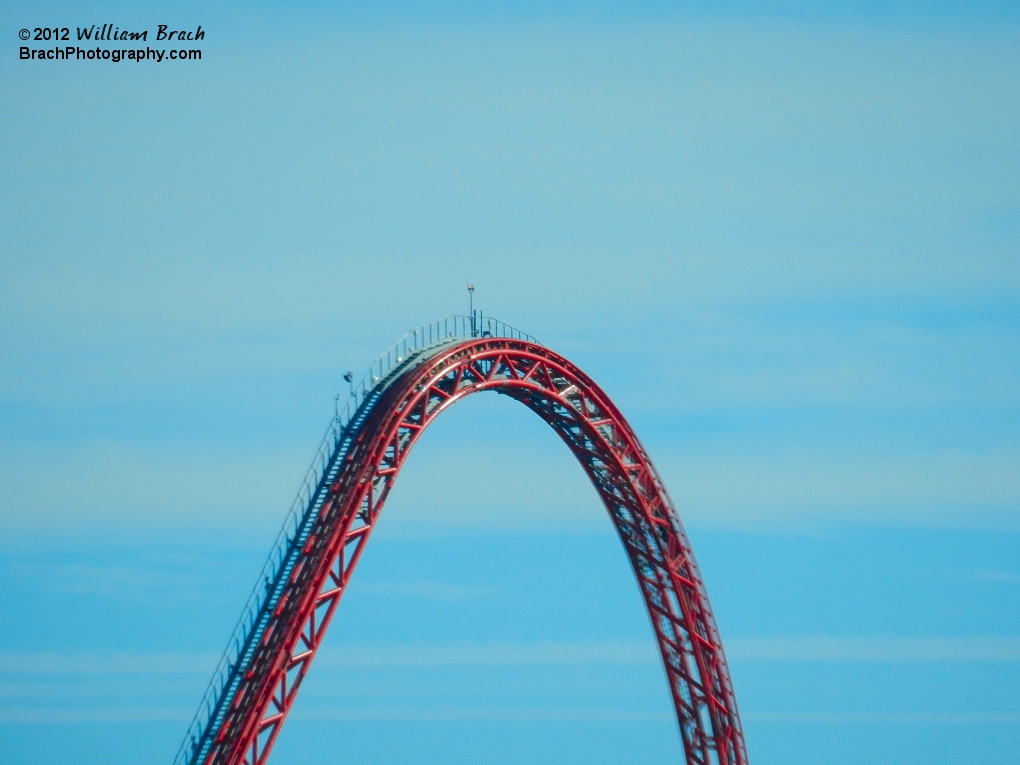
(508, 714)
(991, 575)
(956, 490)
(781, 648)
(95, 487)
(506, 653)
(135, 713)
(427, 590)
(885, 649)
(708, 170)
(520, 482)
(47, 715)
(105, 663)
(53, 687)
(540, 486)
(884, 718)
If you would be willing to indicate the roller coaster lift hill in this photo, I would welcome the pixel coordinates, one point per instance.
(299, 588)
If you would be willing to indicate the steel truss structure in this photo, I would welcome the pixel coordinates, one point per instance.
(273, 650)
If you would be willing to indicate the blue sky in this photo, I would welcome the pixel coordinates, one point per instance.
(783, 237)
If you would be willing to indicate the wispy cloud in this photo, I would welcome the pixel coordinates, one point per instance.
(890, 718)
(147, 488)
(146, 581)
(114, 664)
(992, 575)
(49, 716)
(784, 648)
(442, 654)
(793, 488)
(109, 663)
(138, 713)
(956, 490)
(445, 714)
(50, 684)
(835, 648)
(427, 590)
(487, 713)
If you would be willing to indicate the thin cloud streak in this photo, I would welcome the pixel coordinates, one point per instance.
(888, 718)
(992, 575)
(448, 654)
(508, 714)
(61, 664)
(119, 714)
(427, 590)
(896, 650)
(768, 649)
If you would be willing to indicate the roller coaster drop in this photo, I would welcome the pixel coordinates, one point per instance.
(287, 614)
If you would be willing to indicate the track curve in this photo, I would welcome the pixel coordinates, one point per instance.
(247, 713)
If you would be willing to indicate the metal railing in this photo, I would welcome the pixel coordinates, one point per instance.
(308, 500)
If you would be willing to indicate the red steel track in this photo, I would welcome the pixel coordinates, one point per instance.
(598, 435)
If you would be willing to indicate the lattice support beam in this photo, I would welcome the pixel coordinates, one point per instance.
(619, 468)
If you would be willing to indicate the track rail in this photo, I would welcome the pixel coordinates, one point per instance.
(245, 717)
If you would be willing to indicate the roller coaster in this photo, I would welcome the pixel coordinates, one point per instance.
(298, 590)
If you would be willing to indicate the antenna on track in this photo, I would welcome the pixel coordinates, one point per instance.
(471, 308)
